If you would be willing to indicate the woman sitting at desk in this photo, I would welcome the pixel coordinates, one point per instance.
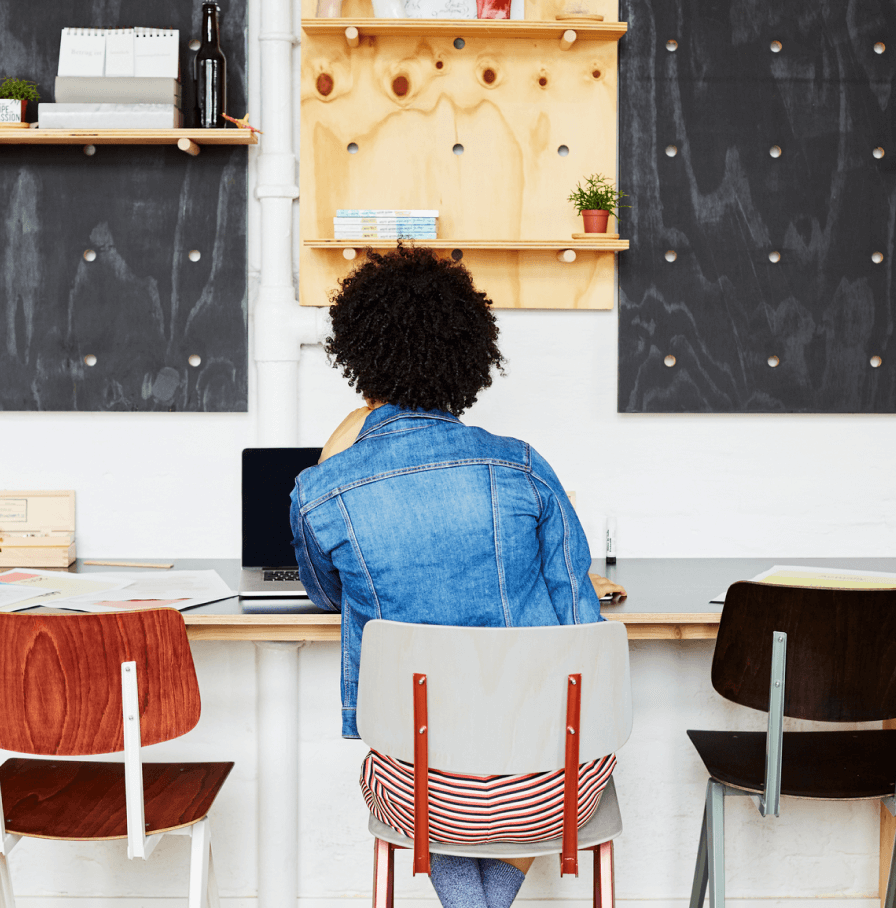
(413, 516)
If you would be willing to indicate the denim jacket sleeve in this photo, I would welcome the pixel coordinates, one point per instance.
(566, 558)
(318, 575)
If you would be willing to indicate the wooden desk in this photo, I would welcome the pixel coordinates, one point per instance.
(668, 600)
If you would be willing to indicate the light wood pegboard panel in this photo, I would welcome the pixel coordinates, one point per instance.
(509, 184)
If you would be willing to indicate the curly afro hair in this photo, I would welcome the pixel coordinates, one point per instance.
(410, 329)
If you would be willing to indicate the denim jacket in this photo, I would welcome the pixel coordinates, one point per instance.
(426, 520)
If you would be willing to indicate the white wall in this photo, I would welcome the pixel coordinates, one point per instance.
(166, 485)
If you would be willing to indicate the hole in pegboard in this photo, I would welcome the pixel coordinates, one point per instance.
(458, 149)
(775, 151)
(774, 361)
(89, 255)
(596, 74)
(90, 360)
(877, 257)
(878, 152)
(194, 360)
(774, 257)
(401, 86)
(669, 360)
(324, 84)
(459, 43)
(194, 255)
(352, 148)
(440, 64)
(671, 151)
(457, 254)
(775, 47)
(543, 81)
(671, 46)
(563, 151)
(670, 255)
(875, 362)
(489, 76)
(880, 47)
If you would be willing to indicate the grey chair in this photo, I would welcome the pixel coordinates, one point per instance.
(497, 701)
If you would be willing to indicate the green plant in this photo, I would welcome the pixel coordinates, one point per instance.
(18, 89)
(598, 194)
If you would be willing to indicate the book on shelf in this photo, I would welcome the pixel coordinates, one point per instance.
(387, 212)
(108, 116)
(117, 90)
(386, 236)
(114, 52)
(414, 223)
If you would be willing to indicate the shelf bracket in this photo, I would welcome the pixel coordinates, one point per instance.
(566, 255)
(348, 253)
(188, 145)
(567, 39)
(352, 36)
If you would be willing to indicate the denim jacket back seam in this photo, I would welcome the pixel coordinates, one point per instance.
(404, 471)
(574, 588)
(359, 555)
(447, 417)
(499, 561)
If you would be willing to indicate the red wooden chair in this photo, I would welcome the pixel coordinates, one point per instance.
(497, 701)
(82, 685)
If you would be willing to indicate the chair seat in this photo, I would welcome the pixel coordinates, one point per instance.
(79, 799)
(850, 765)
(605, 824)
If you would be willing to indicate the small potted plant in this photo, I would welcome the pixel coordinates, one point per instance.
(596, 201)
(14, 97)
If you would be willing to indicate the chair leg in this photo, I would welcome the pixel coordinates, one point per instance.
(890, 897)
(200, 852)
(213, 899)
(383, 874)
(701, 871)
(7, 899)
(604, 884)
(715, 835)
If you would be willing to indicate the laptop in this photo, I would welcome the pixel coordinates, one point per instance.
(268, 558)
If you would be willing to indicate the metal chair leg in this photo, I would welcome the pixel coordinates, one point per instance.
(701, 870)
(715, 835)
(604, 884)
(7, 899)
(890, 897)
(383, 874)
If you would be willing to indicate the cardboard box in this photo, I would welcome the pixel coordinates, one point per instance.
(37, 528)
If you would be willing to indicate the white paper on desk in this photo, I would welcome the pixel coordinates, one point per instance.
(54, 587)
(11, 593)
(825, 577)
(175, 589)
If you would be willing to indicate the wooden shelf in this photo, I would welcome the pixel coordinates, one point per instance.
(127, 136)
(602, 244)
(455, 28)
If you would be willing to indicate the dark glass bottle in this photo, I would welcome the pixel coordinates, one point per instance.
(210, 73)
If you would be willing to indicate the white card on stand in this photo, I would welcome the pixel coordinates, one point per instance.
(156, 52)
(82, 52)
(119, 52)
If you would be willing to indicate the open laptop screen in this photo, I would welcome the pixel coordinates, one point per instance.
(268, 478)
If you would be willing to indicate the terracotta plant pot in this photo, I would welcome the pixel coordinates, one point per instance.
(595, 220)
(492, 9)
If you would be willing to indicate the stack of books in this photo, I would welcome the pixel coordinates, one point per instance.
(385, 224)
(124, 78)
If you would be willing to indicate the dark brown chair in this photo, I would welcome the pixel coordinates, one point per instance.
(820, 654)
(82, 685)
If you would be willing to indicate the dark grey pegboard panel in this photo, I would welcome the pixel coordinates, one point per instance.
(142, 308)
(723, 204)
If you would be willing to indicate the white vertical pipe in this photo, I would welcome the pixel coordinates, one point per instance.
(276, 315)
(278, 778)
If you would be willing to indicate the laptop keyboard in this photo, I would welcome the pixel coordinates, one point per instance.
(282, 575)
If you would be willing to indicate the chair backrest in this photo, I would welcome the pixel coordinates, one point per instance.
(841, 650)
(60, 680)
(496, 696)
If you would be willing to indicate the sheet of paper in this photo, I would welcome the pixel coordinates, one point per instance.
(830, 578)
(177, 589)
(82, 52)
(11, 593)
(54, 587)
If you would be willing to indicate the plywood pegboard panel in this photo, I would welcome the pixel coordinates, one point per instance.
(511, 104)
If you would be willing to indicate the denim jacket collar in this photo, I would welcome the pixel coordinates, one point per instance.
(389, 413)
